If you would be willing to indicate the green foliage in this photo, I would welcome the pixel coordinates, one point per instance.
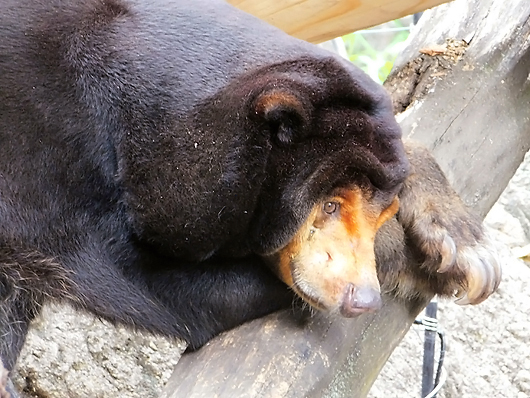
(376, 49)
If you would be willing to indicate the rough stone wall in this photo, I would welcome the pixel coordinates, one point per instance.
(74, 355)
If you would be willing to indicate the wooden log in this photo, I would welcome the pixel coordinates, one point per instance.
(279, 356)
(320, 20)
(475, 115)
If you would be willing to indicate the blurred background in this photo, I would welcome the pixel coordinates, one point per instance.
(374, 50)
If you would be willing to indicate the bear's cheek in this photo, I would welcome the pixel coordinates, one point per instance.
(336, 272)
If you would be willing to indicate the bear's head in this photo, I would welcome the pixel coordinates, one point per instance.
(332, 180)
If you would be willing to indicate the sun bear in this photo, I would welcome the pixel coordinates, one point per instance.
(159, 159)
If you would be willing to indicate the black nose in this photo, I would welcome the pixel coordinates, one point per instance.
(359, 299)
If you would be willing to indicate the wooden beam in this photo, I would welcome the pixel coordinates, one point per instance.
(320, 20)
(279, 356)
(471, 104)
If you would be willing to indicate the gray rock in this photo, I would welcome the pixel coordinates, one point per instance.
(70, 354)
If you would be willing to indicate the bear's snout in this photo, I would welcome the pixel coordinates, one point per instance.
(357, 300)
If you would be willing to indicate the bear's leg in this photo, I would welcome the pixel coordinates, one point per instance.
(16, 315)
(193, 302)
(450, 251)
(3, 382)
(218, 295)
(164, 296)
(23, 283)
(6, 387)
(25, 278)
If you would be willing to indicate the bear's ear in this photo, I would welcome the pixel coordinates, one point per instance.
(284, 114)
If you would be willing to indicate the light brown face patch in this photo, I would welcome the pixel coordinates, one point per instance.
(331, 259)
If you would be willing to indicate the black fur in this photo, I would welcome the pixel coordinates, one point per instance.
(139, 174)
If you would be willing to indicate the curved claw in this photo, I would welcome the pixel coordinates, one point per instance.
(448, 253)
(463, 300)
(483, 275)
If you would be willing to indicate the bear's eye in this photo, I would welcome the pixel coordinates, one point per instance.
(331, 207)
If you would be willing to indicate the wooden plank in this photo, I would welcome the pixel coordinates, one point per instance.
(278, 356)
(476, 118)
(320, 20)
